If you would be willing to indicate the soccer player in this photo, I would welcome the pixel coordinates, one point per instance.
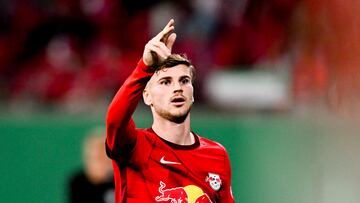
(167, 162)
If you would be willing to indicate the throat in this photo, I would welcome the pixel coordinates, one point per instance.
(176, 133)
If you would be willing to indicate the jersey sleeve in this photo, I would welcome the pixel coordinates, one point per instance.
(226, 195)
(121, 131)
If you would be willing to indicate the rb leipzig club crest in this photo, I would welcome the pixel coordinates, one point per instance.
(214, 181)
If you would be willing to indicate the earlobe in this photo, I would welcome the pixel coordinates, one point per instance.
(146, 98)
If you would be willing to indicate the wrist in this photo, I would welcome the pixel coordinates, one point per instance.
(146, 63)
(145, 67)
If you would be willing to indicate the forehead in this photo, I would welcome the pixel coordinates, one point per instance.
(172, 72)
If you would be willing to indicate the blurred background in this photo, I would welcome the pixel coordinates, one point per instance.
(278, 84)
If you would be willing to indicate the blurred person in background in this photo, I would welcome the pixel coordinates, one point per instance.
(167, 162)
(95, 182)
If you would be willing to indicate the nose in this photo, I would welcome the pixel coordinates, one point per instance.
(177, 87)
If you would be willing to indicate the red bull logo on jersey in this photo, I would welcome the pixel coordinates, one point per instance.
(187, 194)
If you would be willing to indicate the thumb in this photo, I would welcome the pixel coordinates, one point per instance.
(170, 41)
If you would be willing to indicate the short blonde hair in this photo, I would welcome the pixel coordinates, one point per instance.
(177, 59)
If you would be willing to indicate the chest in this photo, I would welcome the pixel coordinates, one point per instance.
(179, 174)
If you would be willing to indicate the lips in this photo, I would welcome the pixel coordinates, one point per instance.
(178, 100)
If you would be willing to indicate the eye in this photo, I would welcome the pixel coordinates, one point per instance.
(185, 81)
(165, 82)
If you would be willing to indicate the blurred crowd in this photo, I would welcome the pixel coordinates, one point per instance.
(94, 181)
(74, 54)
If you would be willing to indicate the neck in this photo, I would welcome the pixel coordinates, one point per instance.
(177, 133)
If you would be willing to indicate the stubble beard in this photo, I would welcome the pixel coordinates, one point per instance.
(176, 118)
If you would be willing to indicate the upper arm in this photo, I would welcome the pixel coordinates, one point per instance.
(226, 195)
(120, 140)
(121, 133)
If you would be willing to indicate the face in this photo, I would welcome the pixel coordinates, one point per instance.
(97, 164)
(170, 93)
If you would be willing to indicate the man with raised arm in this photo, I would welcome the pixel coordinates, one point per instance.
(166, 162)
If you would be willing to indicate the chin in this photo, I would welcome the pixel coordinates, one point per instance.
(177, 116)
(182, 111)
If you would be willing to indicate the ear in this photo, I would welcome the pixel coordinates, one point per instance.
(147, 97)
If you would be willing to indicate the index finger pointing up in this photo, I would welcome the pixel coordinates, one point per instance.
(165, 32)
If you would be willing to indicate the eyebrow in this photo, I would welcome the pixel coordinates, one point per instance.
(170, 78)
(184, 76)
(164, 78)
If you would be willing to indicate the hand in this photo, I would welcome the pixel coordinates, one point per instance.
(159, 47)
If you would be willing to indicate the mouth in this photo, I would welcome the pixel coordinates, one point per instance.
(178, 100)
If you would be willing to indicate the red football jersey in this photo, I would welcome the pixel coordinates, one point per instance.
(148, 168)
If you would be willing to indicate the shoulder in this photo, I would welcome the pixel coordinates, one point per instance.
(146, 132)
(211, 145)
(217, 154)
(146, 135)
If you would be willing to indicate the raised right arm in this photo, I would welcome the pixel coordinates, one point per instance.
(120, 128)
